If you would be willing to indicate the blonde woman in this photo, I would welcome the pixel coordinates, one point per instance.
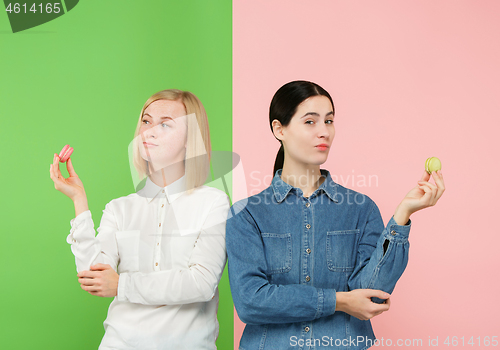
(159, 252)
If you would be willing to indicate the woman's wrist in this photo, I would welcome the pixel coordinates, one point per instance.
(81, 204)
(340, 301)
(401, 215)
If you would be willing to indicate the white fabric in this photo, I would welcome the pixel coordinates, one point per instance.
(169, 248)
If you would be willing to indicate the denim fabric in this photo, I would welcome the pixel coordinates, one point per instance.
(288, 255)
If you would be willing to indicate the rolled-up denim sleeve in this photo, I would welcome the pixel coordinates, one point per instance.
(382, 254)
(256, 300)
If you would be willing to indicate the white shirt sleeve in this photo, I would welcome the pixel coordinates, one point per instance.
(198, 282)
(89, 249)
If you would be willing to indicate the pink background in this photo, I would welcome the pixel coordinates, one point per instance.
(410, 80)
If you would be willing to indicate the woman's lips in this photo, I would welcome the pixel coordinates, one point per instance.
(322, 147)
(149, 144)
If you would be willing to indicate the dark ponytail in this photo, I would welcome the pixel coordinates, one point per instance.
(280, 159)
(284, 105)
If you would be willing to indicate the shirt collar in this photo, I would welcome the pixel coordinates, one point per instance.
(281, 188)
(171, 192)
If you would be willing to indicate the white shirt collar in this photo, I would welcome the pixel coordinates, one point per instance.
(171, 192)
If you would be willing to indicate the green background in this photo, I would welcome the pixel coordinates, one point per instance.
(82, 79)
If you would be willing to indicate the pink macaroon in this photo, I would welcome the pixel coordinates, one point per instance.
(65, 153)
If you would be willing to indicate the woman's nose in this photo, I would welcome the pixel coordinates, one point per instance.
(151, 132)
(323, 130)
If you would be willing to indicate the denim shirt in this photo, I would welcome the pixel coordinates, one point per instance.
(288, 255)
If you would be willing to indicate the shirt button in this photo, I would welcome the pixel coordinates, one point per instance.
(306, 329)
(308, 278)
(162, 191)
(393, 232)
(162, 205)
(308, 205)
(308, 251)
(158, 243)
(156, 264)
(308, 226)
(159, 224)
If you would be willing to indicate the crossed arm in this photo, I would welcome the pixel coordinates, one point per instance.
(197, 282)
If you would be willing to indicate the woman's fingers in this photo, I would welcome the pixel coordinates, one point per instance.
(71, 170)
(383, 307)
(87, 274)
(60, 183)
(428, 196)
(361, 306)
(71, 186)
(377, 309)
(55, 166)
(377, 293)
(425, 176)
(87, 281)
(438, 179)
(55, 177)
(52, 168)
(100, 267)
(91, 282)
(69, 167)
(430, 184)
(90, 288)
(433, 187)
(52, 175)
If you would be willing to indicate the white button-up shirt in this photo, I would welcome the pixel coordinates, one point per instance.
(169, 248)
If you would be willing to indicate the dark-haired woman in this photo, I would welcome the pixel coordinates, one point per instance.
(310, 261)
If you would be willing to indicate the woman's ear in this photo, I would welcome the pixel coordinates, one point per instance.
(277, 129)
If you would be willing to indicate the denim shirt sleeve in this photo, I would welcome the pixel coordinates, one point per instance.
(256, 300)
(382, 258)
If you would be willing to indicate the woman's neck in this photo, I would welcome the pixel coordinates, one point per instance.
(165, 176)
(307, 178)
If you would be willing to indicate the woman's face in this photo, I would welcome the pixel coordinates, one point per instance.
(163, 133)
(309, 135)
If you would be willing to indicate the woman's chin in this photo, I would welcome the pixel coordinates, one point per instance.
(319, 161)
(165, 165)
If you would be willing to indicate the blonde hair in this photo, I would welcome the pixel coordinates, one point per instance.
(197, 161)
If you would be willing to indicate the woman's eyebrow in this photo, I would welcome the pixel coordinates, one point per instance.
(164, 117)
(315, 114)
(311, 113)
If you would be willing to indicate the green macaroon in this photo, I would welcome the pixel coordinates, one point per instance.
(432, 164)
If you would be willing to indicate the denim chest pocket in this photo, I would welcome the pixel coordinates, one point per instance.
(128, 250)
(341, 250)
(278, 250)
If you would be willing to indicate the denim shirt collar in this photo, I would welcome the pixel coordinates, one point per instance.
(281, 189)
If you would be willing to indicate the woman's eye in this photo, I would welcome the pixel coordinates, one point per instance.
(145, 122)
(164, 125)
(309, 122)
(329, 121)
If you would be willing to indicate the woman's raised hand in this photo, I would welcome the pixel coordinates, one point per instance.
(425, 194)
(72, 186)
